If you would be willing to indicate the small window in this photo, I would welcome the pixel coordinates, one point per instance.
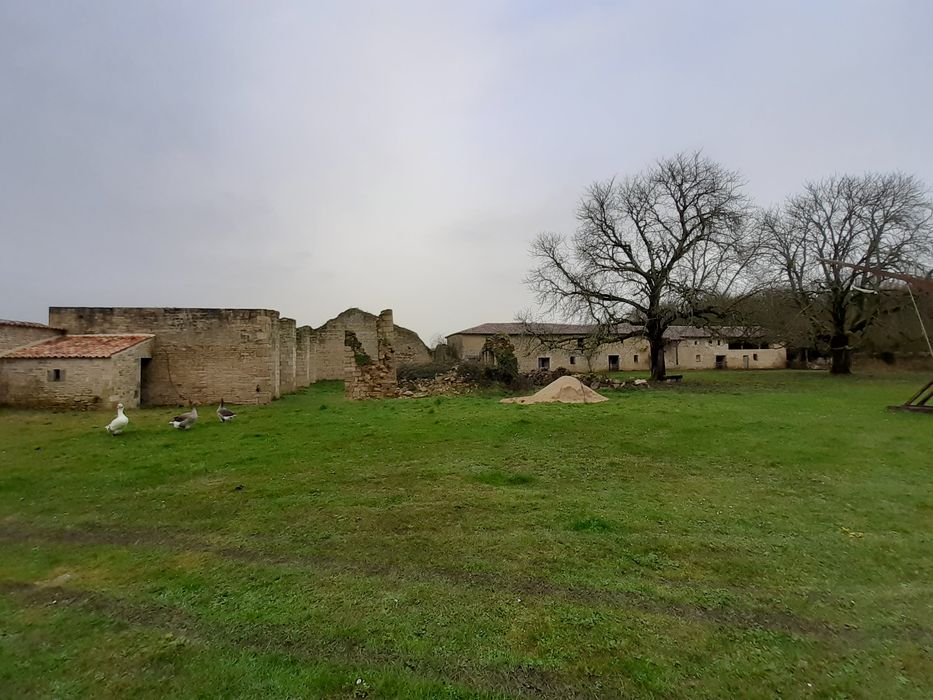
(698, 358)
(573, 360)
(579, 343)
(544, 363)
(755, 356)
(696, 342)
(56, 375)
(636, 359)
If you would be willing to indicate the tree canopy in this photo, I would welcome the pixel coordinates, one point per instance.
(667, 245)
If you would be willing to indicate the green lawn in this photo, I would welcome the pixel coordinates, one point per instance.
(743, 534)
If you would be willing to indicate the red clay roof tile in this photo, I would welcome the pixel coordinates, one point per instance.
(79, 346)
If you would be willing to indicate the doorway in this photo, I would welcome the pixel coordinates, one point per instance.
(613, 363)
(720, 361)
(145, 381)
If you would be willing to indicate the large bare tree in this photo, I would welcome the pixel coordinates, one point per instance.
(668, 245)
(875, 221)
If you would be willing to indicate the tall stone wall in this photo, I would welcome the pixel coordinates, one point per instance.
(287, 359)
(14, 336)
(327, 343)
(409, 348)
(275, 343)
(198, 354)
(367, 376)
(303, 356)
(81, 383)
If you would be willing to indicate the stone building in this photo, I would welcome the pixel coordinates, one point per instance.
(199, 355)
(204, 355)
(566, 345)
(69, 371)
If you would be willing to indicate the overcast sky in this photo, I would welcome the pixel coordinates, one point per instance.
(310, 156)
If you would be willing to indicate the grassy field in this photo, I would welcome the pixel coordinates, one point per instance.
(744, 534)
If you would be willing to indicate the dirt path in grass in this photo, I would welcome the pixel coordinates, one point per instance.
(271, 638)
(178, 542)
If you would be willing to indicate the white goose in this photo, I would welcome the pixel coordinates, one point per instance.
(117, 425)
(185, 420)
(224, 413)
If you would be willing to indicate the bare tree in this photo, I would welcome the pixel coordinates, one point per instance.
(668, 245)
(876, 221)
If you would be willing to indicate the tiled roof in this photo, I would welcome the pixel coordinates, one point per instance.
(672, 333)
(26, 324)
(79, 346)
(519, 329)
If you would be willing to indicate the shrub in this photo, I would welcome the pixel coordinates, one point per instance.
(505, 369)
(428, 370)
(473, 372)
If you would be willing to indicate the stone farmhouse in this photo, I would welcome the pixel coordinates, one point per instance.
(554, 345)
(96, 356)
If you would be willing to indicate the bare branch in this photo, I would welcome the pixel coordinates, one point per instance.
(668, 244)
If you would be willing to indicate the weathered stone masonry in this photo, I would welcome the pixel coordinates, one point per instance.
(203, 355)
(327, 343)
(199, 354)
(303, 356)
(286, 355)
(16, 334)
(368, 377)
(87, 382)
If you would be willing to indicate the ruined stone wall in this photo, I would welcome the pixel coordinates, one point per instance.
(302, 356)
(12, 337)
(327, 343)
(409, 349)
(198, 354)
(367, 376)
(79, 383)
(287, 356)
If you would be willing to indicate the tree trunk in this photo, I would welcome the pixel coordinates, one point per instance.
(656, 356)
(841, 354)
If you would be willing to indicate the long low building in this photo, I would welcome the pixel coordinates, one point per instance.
(553, 345)
(188, 354)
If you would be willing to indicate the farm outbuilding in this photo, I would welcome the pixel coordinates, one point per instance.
(71, 371)
(554, 345)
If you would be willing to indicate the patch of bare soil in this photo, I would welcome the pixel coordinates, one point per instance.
(125, 611)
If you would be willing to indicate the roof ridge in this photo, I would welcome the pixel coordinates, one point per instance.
(28, 324)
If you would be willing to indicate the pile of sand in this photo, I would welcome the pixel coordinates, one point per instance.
(563, 390)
